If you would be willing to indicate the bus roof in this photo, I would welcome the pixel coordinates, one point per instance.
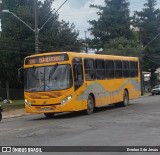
(87, 55)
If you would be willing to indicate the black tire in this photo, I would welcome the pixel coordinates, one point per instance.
(90, 105)
(0, 116)
(49, 115)
(125, 99)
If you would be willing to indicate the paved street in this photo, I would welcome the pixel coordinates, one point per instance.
(137, 124)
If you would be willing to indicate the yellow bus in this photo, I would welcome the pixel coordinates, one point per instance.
(67, 81)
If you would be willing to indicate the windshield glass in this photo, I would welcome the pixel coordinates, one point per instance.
(48, 78)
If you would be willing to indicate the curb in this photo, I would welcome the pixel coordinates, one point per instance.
(14, 116)
(145, 96)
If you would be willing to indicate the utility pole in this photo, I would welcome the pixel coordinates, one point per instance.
(36, 28)
(0, 16)
(86, 41)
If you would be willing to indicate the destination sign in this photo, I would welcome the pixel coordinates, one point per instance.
(46, 59)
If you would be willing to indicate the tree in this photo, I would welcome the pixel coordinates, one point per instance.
(51, 36)
(56, 35)
(148, 21)
(60, 37)
(123, 46)
(113, 22)
(17, 41)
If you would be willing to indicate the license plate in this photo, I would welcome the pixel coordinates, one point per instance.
(45, 109)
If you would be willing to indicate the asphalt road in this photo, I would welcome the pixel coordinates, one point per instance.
(135, 125)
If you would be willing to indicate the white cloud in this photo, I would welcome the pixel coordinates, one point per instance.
(78, 12)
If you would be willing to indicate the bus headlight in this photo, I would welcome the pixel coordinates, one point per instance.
(27, 102)
(65, 100)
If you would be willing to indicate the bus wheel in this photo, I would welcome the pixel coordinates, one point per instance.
(90, 105)
(49, 115)
(125, 99)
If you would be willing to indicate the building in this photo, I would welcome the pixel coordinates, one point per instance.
(157, 72)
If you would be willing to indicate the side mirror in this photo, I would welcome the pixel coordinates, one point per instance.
(21, 74)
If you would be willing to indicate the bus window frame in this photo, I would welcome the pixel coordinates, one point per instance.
(118, 69)
(113, 70)
(94, 69)
(102, 69)
(77, 64)
(126, 69)
(132, 69)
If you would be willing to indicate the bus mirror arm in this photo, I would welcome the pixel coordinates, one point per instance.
(20, 74)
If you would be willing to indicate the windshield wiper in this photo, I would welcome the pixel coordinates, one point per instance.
(52, 71)
(33, 73)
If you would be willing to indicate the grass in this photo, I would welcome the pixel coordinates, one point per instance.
(16, 104)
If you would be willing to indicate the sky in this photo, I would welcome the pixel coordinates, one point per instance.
(79, 12)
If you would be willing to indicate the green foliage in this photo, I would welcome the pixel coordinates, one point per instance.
(18, 41)
(59, 38)
(148, 21)
(123, 46)
(113, 22)
(55, 35)
(16, 104)
(112, 30)
(10, 62)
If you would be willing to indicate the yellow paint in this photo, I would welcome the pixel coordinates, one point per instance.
(47, 102)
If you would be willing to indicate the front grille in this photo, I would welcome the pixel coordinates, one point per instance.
(45, 104)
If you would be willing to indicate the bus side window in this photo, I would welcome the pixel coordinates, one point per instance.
(89, 66)
(118, 69)
(125, 69)
(109, 65)
(78, 74)
(132, 66)
(100, 69)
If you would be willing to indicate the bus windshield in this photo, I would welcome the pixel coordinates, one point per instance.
(48, 78)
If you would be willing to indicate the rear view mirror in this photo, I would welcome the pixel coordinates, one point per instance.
(21, 74)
